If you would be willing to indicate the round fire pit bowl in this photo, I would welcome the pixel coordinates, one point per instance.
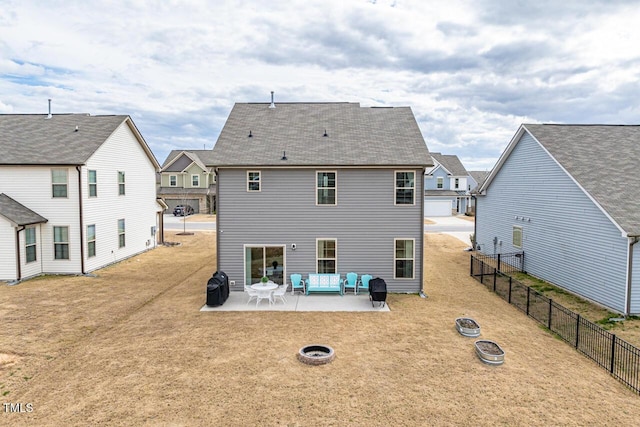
(467, 327)
(316, 354)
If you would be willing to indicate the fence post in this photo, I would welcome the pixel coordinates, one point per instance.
(499, 261)
(549, 319)
(495, 276)
(471, 267)
(577, 329)
(528, 297)
(613, 352)
(510, 278)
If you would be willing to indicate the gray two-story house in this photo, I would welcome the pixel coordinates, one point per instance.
(320, 188)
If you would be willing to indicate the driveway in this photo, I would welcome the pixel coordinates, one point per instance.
(177, 223)
(459, 227)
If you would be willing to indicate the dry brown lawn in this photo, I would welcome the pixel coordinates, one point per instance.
(130, 347)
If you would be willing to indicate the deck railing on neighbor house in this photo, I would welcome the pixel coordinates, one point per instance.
(614, 354)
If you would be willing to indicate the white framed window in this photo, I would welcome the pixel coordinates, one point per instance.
(121, 239)
(517, 236)
(404, 258)
(326, 255)
(439, 182)
(121, 183)
(195, 180)
(59, 182)
(253, 181)
(30, 243)
(173, 180)
(61, 242)
(326, 188)
(91, 240)
(456, 183)
(405, 187)
(92, 178)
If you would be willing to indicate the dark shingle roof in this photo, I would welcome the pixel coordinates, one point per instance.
(450, 162)
(603, 159)
(204, 156)
(18, 213)
(33, 139)
(356, 136)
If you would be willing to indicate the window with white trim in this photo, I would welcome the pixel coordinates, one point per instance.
(92, 178)
(173, 180)
(30, 243)
(404, 258)
(326, 250)
(439, 182)
(121, 183)
(517, 236)
(59, 182)
(456, 183)
(121, 239)
(253, 181)
(326, 187)
(91, 240)
(195, 180)
(405, 187)
(61, 242)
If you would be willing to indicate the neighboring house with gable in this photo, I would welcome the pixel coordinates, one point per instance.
(77, 192)
(567, 196)
(320, 188)
(474, 180)
(445, 187)
(187, 177)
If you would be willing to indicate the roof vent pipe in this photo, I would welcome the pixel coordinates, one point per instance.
(49, 115)
(272, 103)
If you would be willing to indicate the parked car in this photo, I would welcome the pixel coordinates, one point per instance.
(182, 210)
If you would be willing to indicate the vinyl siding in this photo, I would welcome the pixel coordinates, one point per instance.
(567, 240)
(635, 292)
(431, 182)
(32, 268)
(7, 251)
(138, 205)
(365, 221)
(165, 180)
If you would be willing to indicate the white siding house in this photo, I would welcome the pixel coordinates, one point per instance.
(566, 196)
(91, 182)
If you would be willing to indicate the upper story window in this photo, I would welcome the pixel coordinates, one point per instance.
(326, 188)
(59, 182)
(456, 183)
(405, 187)
(61, 242)
(121, 183)
(517, 236)
(195, 180)
(30, 243)
(440, 182)
(173, 180)
(93, 183)
(253, 180)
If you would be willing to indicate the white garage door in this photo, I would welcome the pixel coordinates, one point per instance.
(437, 208)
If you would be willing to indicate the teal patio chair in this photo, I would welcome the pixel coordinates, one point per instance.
(364, 282)
(297, 283)
(351, 282)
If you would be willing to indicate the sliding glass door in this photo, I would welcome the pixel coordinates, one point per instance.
(261, 261)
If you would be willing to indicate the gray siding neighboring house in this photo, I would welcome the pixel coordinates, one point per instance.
(313, 188)
(178, 184)
(570, 192)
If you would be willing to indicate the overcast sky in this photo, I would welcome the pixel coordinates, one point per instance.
(472, 71)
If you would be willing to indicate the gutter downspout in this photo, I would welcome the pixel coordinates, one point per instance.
(81, 220)
(632, 241)
(19, 269)
(475, 221)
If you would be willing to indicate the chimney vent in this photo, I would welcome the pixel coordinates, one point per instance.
(76, 128)
(250, 134)
(49, 115)
(284, 155)
(273, 105)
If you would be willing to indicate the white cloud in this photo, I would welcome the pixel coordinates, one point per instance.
(472, 71)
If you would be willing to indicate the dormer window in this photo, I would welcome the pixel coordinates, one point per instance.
(456, 183)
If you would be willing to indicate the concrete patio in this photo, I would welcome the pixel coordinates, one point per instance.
(314, 302)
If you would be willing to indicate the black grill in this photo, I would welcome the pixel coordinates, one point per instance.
(378, 291)
(217, 289)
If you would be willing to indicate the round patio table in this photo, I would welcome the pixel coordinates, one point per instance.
(265, 291)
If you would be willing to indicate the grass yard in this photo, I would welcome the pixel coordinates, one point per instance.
(130, 347)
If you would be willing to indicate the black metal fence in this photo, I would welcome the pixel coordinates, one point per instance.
(506, 263)
(614, 354)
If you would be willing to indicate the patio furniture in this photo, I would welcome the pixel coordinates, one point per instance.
(323, 282)
(265, 291)
(351, 282)
(251, 292)
(297, 283)
(280, 292)
(364, 282)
